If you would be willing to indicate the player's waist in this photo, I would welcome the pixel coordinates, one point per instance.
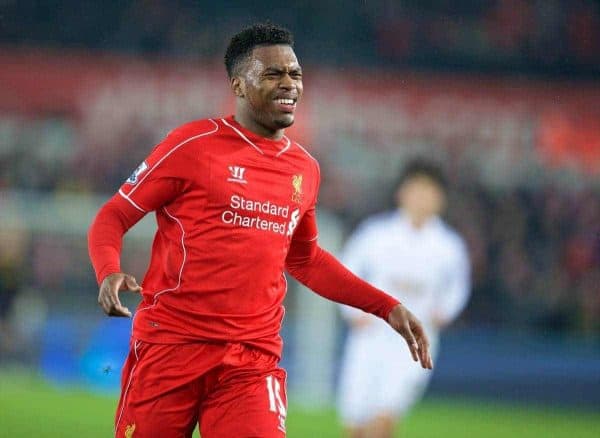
(156, 325)
(198, 315)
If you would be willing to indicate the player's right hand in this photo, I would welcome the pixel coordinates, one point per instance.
(108, 297)
(413, 333)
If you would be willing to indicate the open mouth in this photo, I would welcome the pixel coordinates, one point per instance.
(286, 104)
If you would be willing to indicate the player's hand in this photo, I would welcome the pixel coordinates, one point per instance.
(412, 331)
(108, 297)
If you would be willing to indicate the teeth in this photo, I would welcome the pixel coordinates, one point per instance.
(286, 101)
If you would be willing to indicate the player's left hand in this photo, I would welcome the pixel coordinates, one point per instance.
(412, 331)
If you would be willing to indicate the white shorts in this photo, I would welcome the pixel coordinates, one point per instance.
(379, 376)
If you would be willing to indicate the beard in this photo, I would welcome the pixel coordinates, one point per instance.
(270, 119)
(284, 121)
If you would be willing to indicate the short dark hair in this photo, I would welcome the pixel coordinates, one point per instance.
(421, 167)
(259, 34)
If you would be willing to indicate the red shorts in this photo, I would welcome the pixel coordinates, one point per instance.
(230, 390)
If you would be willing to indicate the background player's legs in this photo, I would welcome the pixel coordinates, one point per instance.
(382, 426)
(159, 397)
(245, 398)
(354, 432)
(400, 386)
(358, 397)
(378, 384)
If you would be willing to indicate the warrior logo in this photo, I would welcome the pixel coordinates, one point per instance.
(237, 174)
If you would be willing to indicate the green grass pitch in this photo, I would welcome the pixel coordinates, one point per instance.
(31, 408)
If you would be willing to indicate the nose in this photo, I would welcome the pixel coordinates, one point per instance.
(287, 83)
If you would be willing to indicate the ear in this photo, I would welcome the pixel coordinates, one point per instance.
(238, 86)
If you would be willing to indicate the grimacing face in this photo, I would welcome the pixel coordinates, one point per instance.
(268, 86)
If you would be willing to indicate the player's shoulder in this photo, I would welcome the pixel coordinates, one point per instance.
(193, 129)
(301, 150)
(450, 238)
(178, 141)
(305, 156)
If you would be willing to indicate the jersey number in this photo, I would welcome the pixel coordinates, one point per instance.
(275, 402)
(293, 221)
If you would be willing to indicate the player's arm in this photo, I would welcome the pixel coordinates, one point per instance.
(323, 273)
(105, 238)
(454, 293)
(154, 184)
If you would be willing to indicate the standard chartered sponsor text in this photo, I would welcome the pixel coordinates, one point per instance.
(237, 216)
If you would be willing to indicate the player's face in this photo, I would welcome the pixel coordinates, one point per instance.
(421, 197)
(270, 86)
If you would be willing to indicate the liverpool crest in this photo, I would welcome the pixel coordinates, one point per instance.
(297, 186)
(129, 430)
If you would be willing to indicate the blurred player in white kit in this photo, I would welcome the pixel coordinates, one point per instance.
(411, 253)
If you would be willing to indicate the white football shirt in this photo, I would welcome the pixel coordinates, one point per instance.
(426, 269)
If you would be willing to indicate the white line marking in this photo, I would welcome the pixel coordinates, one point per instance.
(171, 151)
(131, 201)
(287, 146)
(305, 151)
(243, 136)
(135, 344)
(158, 294)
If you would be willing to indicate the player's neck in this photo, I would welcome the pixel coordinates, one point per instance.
(252, 125)
(416, 220)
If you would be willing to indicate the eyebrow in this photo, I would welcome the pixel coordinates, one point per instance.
(279, 69)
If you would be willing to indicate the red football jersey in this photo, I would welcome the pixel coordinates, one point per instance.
(228, 203)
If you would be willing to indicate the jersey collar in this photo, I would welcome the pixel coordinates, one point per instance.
(404, 221)
(262, 145)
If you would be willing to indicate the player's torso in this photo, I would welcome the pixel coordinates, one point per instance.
(255, 200)
(409, 264)
(227, 236)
